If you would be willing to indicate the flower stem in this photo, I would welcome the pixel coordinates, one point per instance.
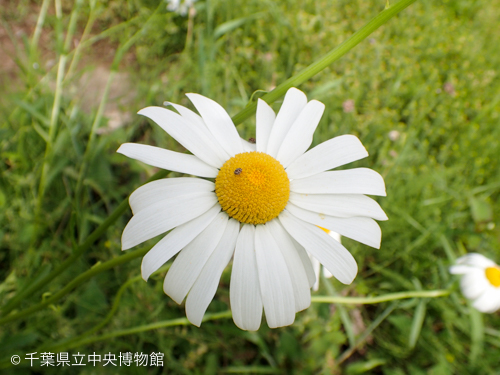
(122, 50)
(79, 47)
(147, 327)
(98, 268)
(362, 338)
(94, 236)
(68, 343)
(54, 117)
(379, 299)
(227, 314)
(56, 107)
(39, 24)
(328, 59)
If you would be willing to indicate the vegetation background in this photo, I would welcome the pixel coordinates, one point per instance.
(422, 93)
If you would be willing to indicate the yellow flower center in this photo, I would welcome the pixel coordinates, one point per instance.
(493, 276)
(252, 187)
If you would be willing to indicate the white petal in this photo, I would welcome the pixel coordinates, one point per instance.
(474, 283)
(350, 181)
(295, 100)
(496, 307)
(167, 188)
(169, 160)
(306, 261)
(191, 260)
(332, 254)
(206, 284)
(327, 274)
(159, 218)
(196, 119)
(218, 122)
(300, 136)
(476, 260)
(185, 132)
(175, 241)
(300, 283)
(460, 269)
(244, 290)
(361, 229)
(275, 282)
(327, 155)
(265, 119)
(336, 236)
(340, 205)
(317, 267)
(247, 146)
(188, 115)
(489, 302)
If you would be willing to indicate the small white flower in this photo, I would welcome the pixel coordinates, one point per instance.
(394, 135)
(181, 7)
(264, 208)
(480, 281)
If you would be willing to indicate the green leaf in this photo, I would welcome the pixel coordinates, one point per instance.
(2, 198)
(257, 94)
(18, 340)
(92, 299)
(228, 26)
(33, 111)
(481, 209)
(476, 334)
(418, 320)
(363, 367)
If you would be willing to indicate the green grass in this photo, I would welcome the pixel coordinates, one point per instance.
(431, 73)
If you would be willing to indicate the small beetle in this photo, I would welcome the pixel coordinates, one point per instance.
(237, 171)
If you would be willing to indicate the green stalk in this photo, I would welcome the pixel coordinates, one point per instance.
(39, 24)
(93, 237)
(225, 314)
(380, 299)
(78, 50)
(72, 26)
(344, 316)
(148, 327)
(82, 45)
(95, 126)
(68, 342)
(366, 333)
(56, 107)
(52, 131)
(76, 282)
(102, 105)
(113, 30)
(328, 59)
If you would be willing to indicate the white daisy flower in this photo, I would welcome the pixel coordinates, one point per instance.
(480, 281)
(263, 208)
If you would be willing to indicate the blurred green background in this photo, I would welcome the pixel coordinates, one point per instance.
(422, 93)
